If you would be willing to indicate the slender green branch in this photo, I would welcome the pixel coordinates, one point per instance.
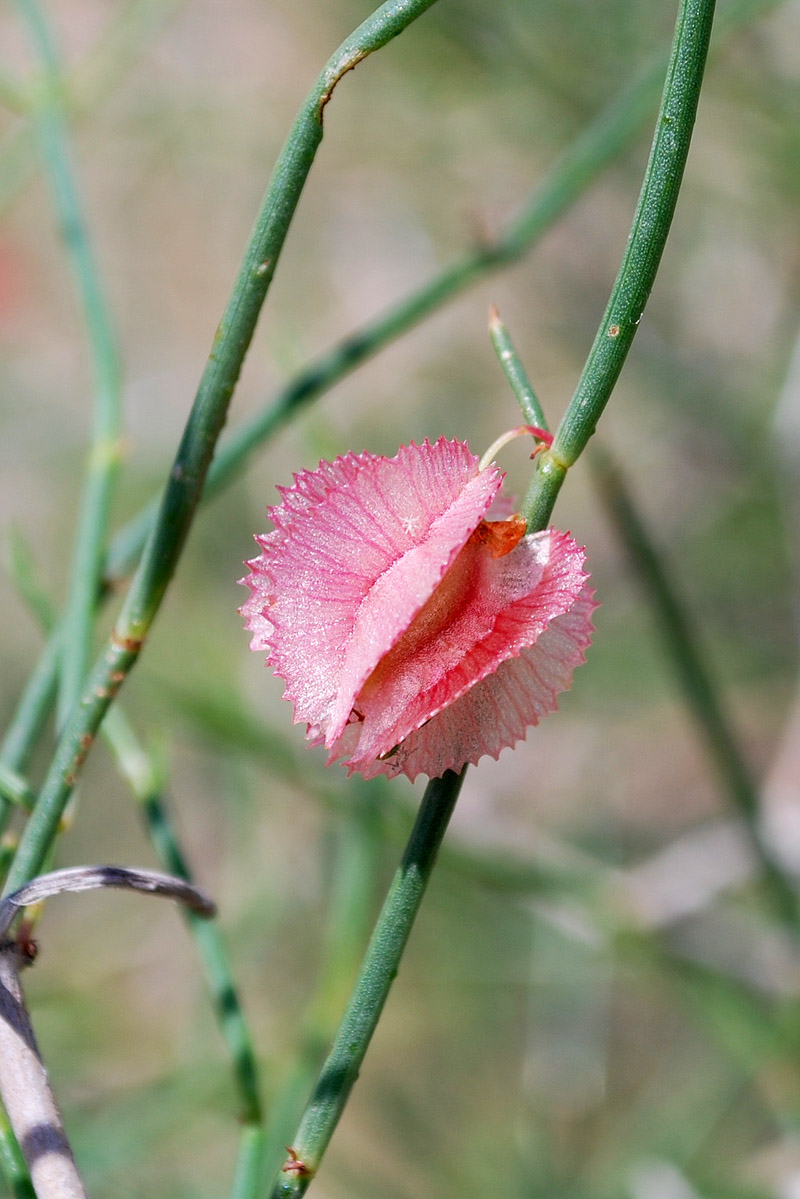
(138, 768)
(14, 788)
(248, 1180)
(356, 856)
(187, 477)
(104, 456)
(693, 674)
(378, 970)
(37, 698)
(515, 372)
(646, 241)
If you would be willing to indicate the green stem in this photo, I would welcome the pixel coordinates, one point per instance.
(248, 1179)
(356, 856)
(34, 705)
(694, 677)
(187, 477)
(515, 372)
(379, 967)
(637, 273)
(104, 456)
(14, 788)
(143, 777)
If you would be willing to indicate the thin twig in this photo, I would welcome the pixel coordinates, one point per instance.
(646, 241)
(105, 451)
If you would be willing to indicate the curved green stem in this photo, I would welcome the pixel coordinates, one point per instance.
(646, 241)
(369, 994)
(187, 477)
(104, 456)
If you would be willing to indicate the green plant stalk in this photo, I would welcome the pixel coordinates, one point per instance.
(144, 779)
(378, 970)
(187, 477)
(515, 372)
(591, 152)
(14, 788)
(104, 455)
(646, 241)
(356, 856)
(693, 675)
(248, 1179)
(34, 706)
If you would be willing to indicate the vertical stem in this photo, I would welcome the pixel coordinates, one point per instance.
(694, 677)
(378, 970)
(646, 241)
(137, 767)
(89, 550)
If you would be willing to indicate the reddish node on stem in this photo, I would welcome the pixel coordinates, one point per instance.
(294, 1165)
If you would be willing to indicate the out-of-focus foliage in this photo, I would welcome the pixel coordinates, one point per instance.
(543, 1037)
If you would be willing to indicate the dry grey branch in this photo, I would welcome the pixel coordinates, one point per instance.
(89, 878)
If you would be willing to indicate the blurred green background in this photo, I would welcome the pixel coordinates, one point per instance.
(596, 1000)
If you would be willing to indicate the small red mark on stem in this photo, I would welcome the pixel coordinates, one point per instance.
(613, 330)
(294, 1165)
(131, 645)
(26, 944)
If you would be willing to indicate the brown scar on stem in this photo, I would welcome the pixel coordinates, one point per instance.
(500, 536)
(326, 95)
(613, 330)
(131, 645)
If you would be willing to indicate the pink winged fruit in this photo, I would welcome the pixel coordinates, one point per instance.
(414, 633)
